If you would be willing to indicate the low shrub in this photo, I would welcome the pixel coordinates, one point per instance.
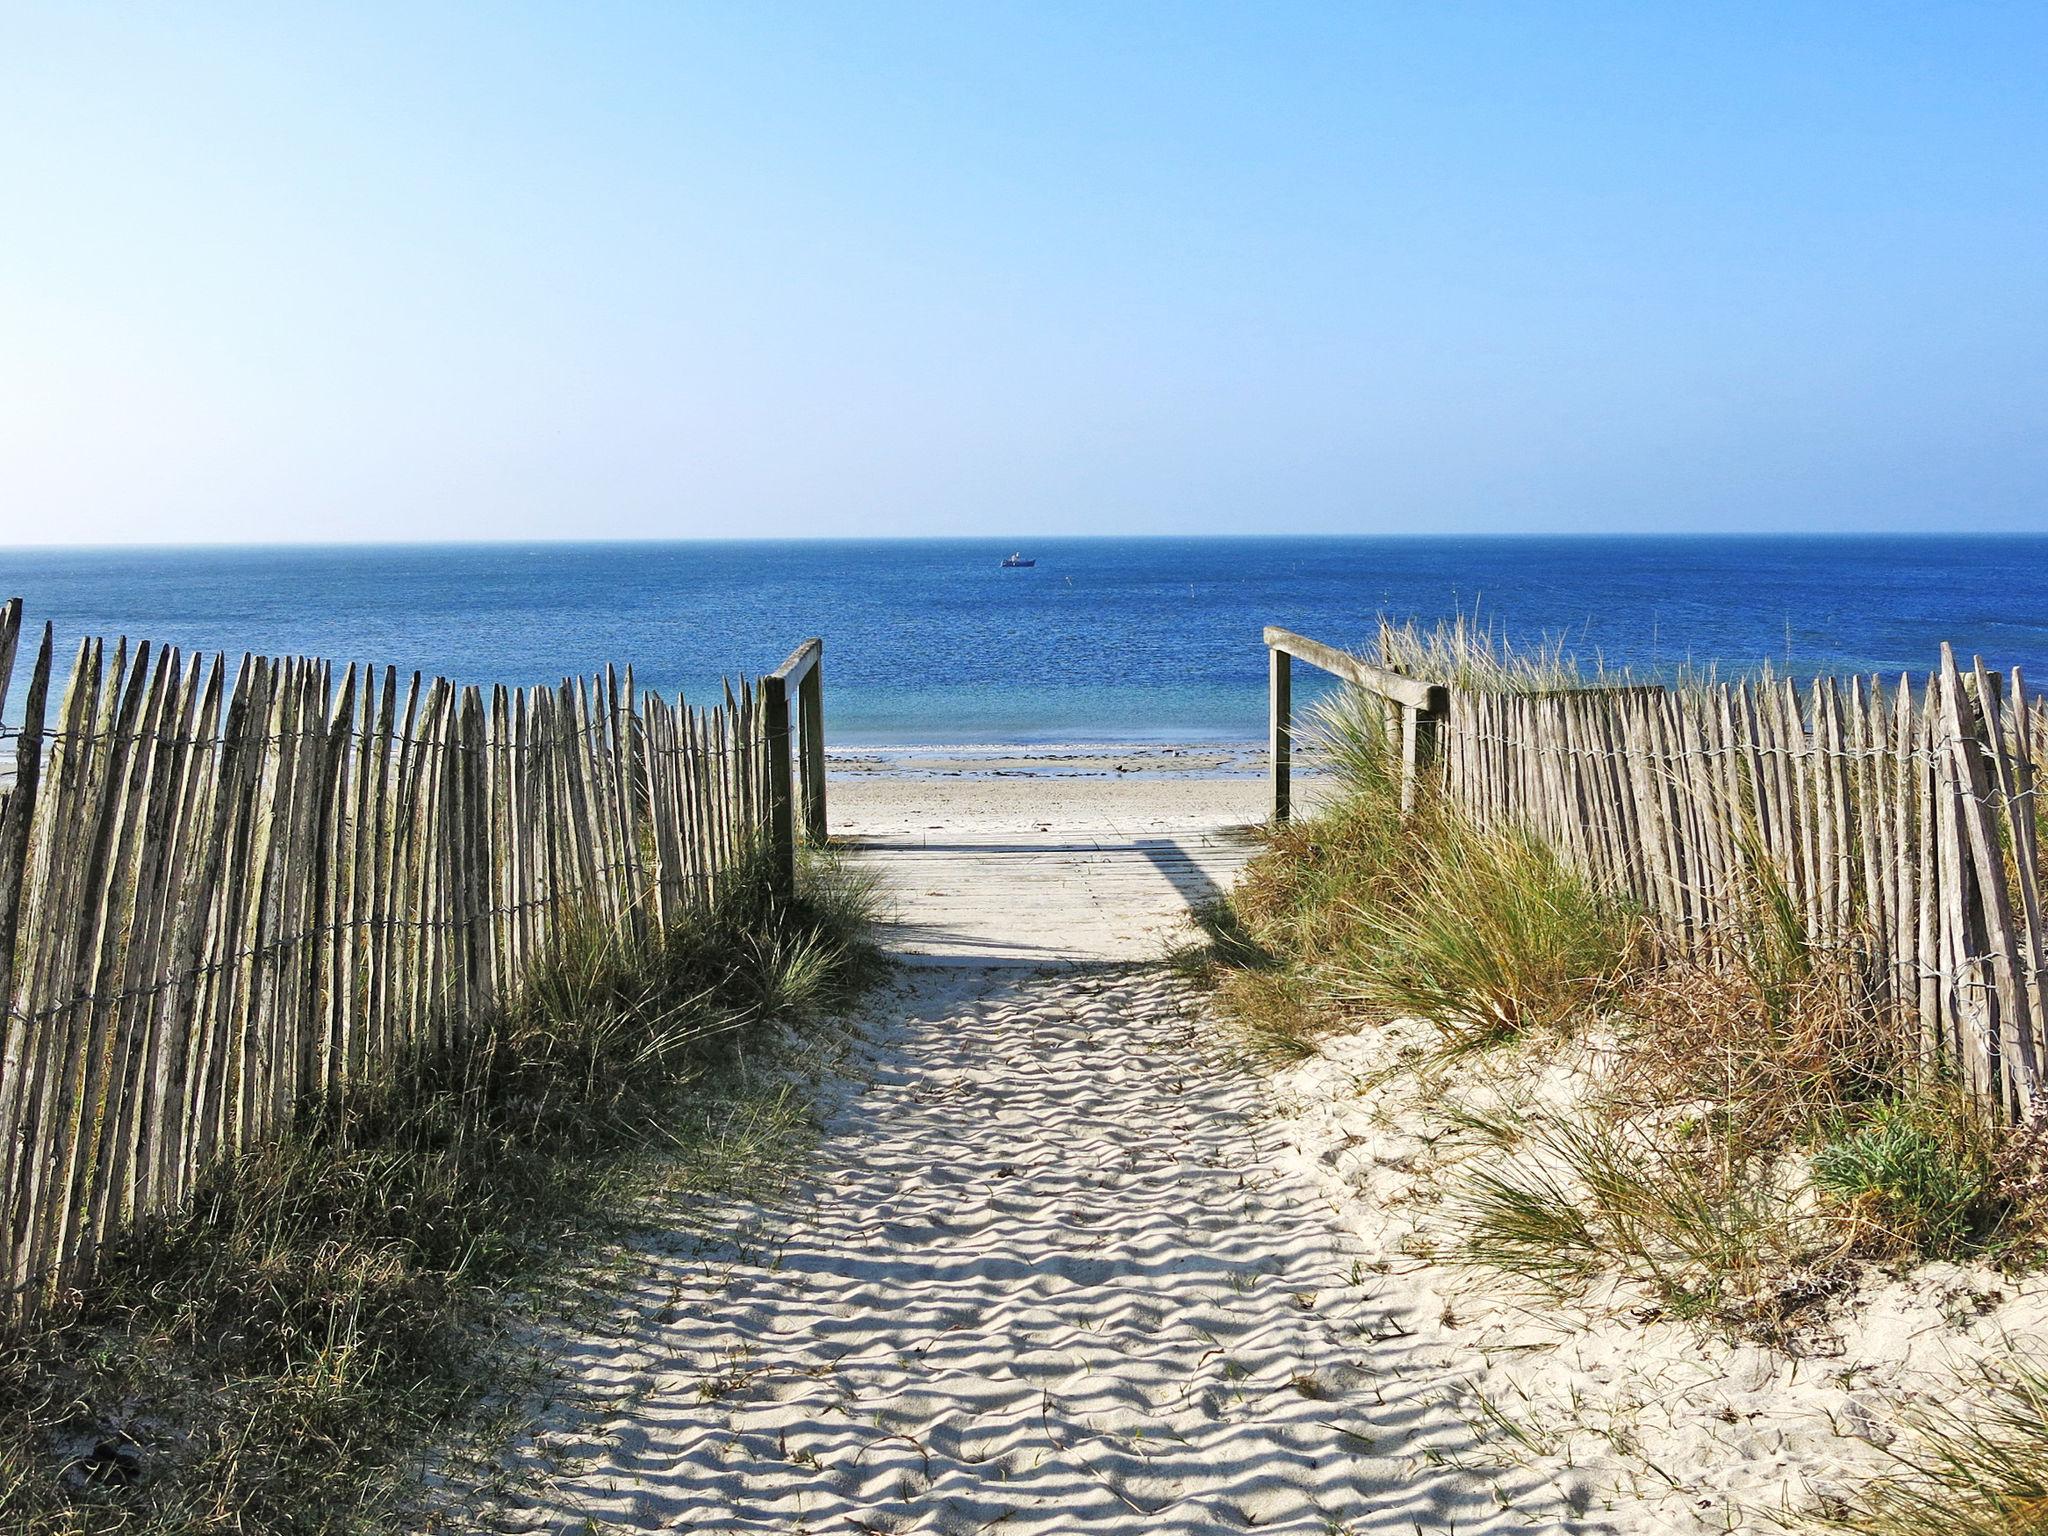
(1919, 1176)
(1780, 1063)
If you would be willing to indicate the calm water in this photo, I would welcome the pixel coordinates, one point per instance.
(1106, 639)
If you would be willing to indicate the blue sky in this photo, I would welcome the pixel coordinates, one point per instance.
(447, 271)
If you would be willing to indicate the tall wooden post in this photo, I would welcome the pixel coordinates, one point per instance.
(781, 821)
(1421, 729)
(1411, 754)
(1280, 723)
(811, 705)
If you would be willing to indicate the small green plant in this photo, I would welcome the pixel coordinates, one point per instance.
(1706, 1234)
(1918, 1175)
(1525, 1220)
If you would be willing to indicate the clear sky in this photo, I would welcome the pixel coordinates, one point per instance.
(373, 271)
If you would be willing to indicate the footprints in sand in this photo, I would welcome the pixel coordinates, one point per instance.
(1044, 1277)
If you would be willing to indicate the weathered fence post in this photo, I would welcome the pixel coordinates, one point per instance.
(803, 669)
(811, 700)
(1280, 729)
(781, 821)
(1420, 727)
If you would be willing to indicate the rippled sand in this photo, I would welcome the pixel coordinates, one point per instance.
(1048, 1274)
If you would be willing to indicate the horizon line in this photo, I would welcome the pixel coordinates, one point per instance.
(565, 541)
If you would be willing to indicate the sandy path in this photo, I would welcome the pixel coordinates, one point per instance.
(1049, 1270)
(1005, 898)
(1046, 1275)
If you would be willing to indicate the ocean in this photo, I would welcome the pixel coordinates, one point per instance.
(1104, 640)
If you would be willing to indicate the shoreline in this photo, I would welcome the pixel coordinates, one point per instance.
(1237, 760)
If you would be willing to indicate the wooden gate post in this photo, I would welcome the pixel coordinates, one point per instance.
(802, 669)
(1411, 754)
(1420, 725)
(781, 821)
(1280, 729)
(811, 707)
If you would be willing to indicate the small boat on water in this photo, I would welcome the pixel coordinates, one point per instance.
(1017, 562)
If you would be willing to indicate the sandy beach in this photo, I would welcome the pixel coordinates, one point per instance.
(1049, 855)
(875, 806)
(1055, 760)
(1131, 790)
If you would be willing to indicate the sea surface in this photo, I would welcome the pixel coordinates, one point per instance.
(1104, 640)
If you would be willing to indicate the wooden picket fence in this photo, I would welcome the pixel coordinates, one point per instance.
(1902, 821)
(226, 892)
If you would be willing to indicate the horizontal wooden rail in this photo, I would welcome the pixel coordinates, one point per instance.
(1393, 685)
(801, 662)
(1416, 709)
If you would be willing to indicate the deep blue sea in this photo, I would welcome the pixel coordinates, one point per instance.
(1104, 640)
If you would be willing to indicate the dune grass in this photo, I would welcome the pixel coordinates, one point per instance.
(1973, 1466)
(1369, 910)
(1497, 937)
(1469, 652)
(1706, 1236)
(278, 1355)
